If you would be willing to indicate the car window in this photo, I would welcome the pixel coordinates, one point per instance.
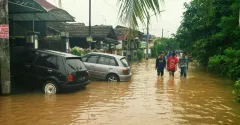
(92, 59)
(47, 60)
(28, 56)
(74, 64)
(112, 62)
(124, 62)
(104, 60)
(84, 58)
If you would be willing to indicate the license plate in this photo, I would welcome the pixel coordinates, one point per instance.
(82, 78)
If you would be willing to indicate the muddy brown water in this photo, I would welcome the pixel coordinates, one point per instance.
(202, 99)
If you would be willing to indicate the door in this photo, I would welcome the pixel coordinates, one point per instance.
(26, 71)
(90, 64)
(47, 66)
(105, 66)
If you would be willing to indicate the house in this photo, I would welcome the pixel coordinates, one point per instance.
(103, 36)
(24, 27)
(129, 41)
(27, 22)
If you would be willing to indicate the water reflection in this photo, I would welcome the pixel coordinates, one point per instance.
(201, 98)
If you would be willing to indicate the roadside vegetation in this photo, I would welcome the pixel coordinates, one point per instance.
(210, 30)
(164, 44)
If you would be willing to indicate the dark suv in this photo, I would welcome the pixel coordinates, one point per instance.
(53, 71)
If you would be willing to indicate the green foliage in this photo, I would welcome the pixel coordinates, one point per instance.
(77, 51)
(132, 11)
(139, 55)
(227, 64)
(164, 44)
(236, 90)
(210, 30)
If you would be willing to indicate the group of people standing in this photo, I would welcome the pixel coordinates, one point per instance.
(171, 62)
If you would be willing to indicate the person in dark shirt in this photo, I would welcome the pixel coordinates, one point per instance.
(160, 64)
(183, 65)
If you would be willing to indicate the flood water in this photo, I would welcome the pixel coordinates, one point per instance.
(202, 99)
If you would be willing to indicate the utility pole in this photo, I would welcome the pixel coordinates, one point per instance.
(60, 4)
(89, 30)
(162, 33)
(148, 20)
(5, 83)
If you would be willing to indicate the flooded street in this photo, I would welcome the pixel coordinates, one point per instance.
(202, 98)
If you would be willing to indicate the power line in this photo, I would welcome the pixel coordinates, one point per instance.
(110, 5)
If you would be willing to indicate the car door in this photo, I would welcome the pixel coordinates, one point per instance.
(90, 64)
(104, 66)
(26, 67)
(47, 67)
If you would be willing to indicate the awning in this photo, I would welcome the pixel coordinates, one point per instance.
(37, 10)
(111, 41)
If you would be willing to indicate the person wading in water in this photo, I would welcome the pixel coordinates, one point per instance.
(172, 64)
(160, 64)
(183, 65)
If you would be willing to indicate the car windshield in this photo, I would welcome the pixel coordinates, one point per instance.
(74, 64)
(124, 62)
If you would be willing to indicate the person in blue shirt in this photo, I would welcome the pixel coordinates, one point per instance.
(167, 55)
(160, 64)
(183, 65)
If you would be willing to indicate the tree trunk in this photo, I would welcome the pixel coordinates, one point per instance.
(4, 51)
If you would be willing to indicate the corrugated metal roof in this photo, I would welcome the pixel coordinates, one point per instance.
(39, 10)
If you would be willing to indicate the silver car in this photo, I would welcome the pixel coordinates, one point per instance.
(107, 66)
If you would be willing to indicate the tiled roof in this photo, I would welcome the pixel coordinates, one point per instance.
(96, 31)
(121, 31)
(78, 30)
(46, 4)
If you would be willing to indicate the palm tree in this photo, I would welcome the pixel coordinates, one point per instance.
(130, 11)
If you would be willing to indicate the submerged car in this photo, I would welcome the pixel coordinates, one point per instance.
(107, 67)
(51, 70)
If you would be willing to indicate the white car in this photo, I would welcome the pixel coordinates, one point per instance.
(107, 67)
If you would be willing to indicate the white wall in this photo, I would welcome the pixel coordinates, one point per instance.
(119, 46)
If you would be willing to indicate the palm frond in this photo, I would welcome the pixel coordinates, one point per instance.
(130, 11)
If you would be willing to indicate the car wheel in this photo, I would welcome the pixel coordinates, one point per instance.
(50, 87)
(112, 78)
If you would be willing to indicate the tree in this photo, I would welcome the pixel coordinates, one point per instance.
(208, 27)
(130, 11)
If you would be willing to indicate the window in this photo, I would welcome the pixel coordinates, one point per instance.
(124, 54)
(112, 62)
(124, 62)
(84, 58)
(74, 64)
(104, 60)
(47, 60)
(29, 56)
(92, 59)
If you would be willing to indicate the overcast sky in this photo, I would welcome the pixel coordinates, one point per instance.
(106, 11)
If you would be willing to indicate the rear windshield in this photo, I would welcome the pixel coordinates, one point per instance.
(74, 64)
(124, 62)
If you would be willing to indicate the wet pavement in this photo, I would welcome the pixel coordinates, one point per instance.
(202, 99)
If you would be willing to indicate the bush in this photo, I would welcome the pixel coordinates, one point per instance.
(139, 55)
(227, 64)
(237, 90)
(77, 51)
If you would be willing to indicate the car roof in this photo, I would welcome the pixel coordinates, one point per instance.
(106, 54)
(57, 53)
